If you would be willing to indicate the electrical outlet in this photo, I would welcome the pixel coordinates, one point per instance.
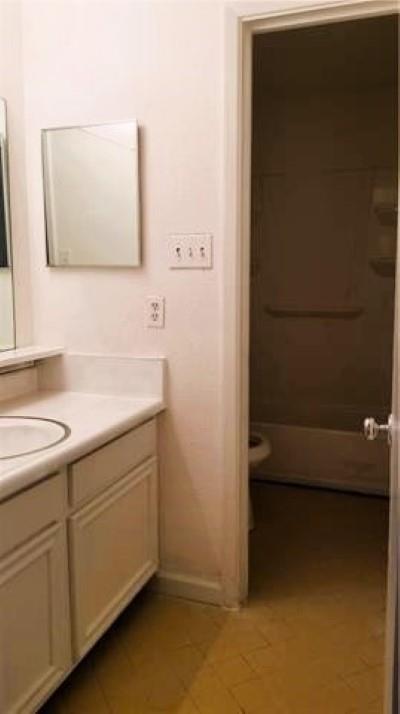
(190, 250)
(155, 311)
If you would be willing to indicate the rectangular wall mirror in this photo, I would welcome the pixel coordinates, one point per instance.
(7, 324)
(91, 187)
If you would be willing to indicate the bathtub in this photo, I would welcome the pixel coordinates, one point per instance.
(324, 457)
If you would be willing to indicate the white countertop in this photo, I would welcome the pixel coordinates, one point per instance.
(93, 419)
(32, 353)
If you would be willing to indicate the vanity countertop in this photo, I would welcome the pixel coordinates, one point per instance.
(92, 418)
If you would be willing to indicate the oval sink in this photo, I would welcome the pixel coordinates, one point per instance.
(20, 435)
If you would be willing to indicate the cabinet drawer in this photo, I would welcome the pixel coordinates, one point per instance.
(32, 510)
(114, 551)
(93, 473)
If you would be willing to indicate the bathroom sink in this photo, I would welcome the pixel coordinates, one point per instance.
(22, 435)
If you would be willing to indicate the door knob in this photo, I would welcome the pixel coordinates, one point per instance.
(372, 429)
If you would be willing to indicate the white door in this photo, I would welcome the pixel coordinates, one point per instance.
(392, 639)
(392, 428)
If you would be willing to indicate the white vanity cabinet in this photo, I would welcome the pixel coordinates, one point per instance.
(35, 651)
(74, 550)
(114, 536)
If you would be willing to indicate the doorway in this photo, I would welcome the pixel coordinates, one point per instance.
(300, 428)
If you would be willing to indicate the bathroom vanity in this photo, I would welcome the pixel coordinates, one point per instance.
(78, 432)
(78, 535)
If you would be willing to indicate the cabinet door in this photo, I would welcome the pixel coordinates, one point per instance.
(35, 649)
(114, 551)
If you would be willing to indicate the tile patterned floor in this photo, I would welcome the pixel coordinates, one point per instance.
(310, 640)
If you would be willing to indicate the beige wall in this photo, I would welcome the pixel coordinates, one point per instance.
(322, 317)
(92, 62)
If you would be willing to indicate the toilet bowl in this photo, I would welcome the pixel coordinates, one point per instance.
(259, 450)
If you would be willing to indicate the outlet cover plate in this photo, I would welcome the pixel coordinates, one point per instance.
(155, 311)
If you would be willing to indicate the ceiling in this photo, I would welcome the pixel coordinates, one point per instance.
(346, 54)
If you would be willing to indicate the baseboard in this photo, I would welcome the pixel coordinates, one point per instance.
(188, 587)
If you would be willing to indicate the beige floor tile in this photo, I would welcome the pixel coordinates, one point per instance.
(127, 697)
(372, 651)
(165, 691)
(375, 707)
(298, 698)
(342, 663)
(266, 658)
(256, 696)
(206, 680)
(184, 707)
(309, 641)
(210, 696)
(233, 671)
(302, 674)
(187, 662)
(336, 699)
(187, 706)
(275, 629)
(153, 643)
(368, 685)
(231, 642)
(85, 696)
(281, 655)
(121, 687)
(202, 626)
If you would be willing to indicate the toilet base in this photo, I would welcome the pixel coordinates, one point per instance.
(259, 450)
(251, 524)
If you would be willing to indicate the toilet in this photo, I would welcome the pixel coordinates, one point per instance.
(259, 450)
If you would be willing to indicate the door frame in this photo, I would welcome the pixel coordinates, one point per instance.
(242, 21)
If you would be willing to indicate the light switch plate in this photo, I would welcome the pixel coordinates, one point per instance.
(155, 311)
(190, 251)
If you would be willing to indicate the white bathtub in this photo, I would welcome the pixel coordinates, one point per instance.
(325, 457)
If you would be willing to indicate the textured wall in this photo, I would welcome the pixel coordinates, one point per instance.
(324, 142)
(91, 62)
